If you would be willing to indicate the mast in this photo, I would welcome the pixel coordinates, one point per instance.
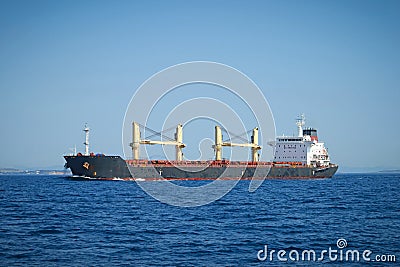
(300, 121)
(135, 140)
(179, 144)
(86, 143)
(255, 147)
(218, 143)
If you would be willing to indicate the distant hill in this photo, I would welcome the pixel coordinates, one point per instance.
(10, 170)
(390, 171)
(375, 169)
(34, 172)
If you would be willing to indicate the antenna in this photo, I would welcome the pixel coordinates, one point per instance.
(86, 130)
(300, 122)
(73, 149)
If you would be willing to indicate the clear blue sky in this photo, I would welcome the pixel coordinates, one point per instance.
(64, 63)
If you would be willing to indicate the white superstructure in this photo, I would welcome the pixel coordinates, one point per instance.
(304, 149)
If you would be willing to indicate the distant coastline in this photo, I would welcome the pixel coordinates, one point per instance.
(10, 171)
(390, 171)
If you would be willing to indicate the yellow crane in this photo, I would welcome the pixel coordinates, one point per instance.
(136, 141)
(219, 144)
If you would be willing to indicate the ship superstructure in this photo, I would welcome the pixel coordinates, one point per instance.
(304, 149)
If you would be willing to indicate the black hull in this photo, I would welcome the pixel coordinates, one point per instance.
(114, 167)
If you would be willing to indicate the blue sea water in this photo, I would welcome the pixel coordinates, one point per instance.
(56, 221)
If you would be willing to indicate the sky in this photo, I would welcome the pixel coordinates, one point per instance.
(65, 63)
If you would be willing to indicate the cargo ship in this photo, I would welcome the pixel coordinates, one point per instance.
(295, 157)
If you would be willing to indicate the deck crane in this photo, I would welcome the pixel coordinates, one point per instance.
(219, 144)
(136, 141)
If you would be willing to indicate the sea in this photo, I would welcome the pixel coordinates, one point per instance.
(350, 219)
